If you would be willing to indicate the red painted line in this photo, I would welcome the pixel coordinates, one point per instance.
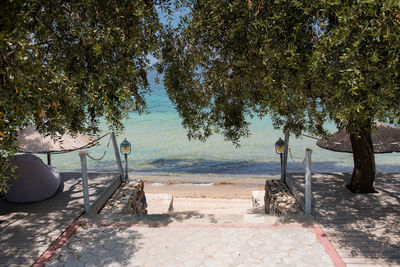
(330, 250)
(56, 245)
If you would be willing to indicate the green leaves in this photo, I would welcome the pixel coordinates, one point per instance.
(72, 63)
(360, 52)
(301, 62)
(251, 63)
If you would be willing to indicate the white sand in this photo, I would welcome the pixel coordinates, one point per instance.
(212, 205)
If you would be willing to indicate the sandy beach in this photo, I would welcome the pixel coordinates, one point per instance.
(205, 186)
(224, 191)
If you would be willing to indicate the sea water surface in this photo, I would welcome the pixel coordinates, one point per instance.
(160, 147)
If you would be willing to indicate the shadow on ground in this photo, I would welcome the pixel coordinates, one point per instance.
(27, 230)
(360, 226)
(93, 245)
(67, 201)
(148, 220)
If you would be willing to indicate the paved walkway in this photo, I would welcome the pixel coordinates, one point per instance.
(364, 228)
(191, 240)
(27, 230)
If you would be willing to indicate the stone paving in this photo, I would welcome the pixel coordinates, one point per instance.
(195, 241)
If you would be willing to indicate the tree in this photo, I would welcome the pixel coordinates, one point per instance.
(64, 65)
(301, 62)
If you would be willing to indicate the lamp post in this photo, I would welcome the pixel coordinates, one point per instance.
(279, 149)
(126, 150)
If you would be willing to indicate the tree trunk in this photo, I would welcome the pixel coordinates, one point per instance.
(362, 180)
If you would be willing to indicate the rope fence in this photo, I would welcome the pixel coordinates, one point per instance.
(312, 137)
(294, 161)
(314, 148)
(88, 145)
(104, 154)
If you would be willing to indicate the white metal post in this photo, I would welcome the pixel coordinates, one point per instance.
(85, 184)
(117, 157)
(308, 193)
(285, 157)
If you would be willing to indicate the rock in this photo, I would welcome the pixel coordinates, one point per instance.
(257, 198)
(279, 200)
(129, 198)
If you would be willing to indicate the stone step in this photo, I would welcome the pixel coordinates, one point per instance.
(159, 203)
(188, 218)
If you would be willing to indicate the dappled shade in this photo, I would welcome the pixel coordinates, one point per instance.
(385, 139)
(32, 141)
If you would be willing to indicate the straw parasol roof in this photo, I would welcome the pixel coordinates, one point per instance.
(385, 139)
(32, 141)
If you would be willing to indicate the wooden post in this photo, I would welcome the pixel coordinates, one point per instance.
(85, 184)
(285, 157)
(118, 158)
(308, 193)
(48, 158)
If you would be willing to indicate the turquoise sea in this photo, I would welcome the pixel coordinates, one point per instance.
(161, 147)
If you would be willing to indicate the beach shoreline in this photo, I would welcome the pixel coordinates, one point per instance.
(204, 186)
(199, 178)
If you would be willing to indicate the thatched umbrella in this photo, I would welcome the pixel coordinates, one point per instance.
(32, 141)
(385, 139)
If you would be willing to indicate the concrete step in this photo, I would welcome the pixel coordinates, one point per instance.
(159, 203)
(212, 205)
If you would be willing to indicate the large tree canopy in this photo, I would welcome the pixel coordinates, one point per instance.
(65, 64)
(301, 62)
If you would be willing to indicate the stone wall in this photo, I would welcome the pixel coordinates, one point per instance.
(129, 198)
(279, 199)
